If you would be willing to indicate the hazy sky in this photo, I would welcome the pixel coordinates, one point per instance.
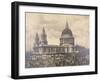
(54, 25)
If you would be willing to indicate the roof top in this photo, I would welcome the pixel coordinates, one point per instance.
(67, 31)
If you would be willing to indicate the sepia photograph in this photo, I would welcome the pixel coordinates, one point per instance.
(55, 40)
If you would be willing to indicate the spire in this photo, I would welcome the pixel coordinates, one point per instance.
(43, 37)
(67, 26)
(36, 37)
(43, 30)
(36, 43)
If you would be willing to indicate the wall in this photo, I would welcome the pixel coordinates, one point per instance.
(5, 41)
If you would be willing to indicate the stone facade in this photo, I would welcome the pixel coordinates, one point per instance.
(66, 43)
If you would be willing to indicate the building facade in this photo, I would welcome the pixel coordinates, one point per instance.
(64, 54)
(66, 43)
(45, 55)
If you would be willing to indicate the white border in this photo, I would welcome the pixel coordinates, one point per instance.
(53, 70)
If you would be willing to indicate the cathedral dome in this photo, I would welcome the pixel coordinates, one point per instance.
(67, 32)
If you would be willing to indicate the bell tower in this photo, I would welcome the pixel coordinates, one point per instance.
(43, 40)
(36, 43)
